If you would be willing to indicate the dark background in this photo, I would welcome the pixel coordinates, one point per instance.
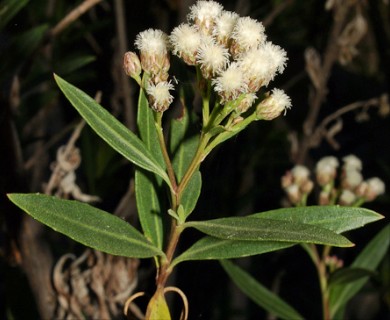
(241, 177)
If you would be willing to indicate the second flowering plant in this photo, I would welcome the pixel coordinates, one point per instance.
(234, 64)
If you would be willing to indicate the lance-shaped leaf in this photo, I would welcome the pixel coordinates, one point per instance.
(335, 218)
(258, 293)
(368, 259)
(90, 226)
(111, 130)
(255, 229)
(347, 275)
(210, 248)
(148, 187)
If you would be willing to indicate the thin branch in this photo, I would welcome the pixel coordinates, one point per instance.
(320, 92)
(73, 16)
(276, 12)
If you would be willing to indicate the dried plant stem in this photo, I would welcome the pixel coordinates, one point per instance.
(320, 92)
(68, 149)
(73, 16)
(321, 128)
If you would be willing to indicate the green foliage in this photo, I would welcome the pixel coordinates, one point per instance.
(258, 293)
(254, 229)
(148, 187)
(368, 260)
(90, 226)
(336, 218)
(111, 130)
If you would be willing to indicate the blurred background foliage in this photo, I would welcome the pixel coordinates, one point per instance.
(241, 177)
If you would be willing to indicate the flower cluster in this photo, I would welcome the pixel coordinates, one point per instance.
(344, 186)
(230, 51)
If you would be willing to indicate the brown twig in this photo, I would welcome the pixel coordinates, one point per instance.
(320, 90)
(321, 130)
(124, 84)
(276, 12)
(73, 16)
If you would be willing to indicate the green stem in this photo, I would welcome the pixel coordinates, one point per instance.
(322, 275)
(167, 160)
(194, 165)
(230, 132)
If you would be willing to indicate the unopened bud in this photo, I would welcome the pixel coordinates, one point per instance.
(293, 193)
(326, 170)
(347, 198)
(307, 187)
(132, 64)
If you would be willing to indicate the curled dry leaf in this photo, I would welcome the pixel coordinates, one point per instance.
(95, 285)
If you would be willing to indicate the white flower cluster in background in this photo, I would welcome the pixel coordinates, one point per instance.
(230, 51)
(344, 186)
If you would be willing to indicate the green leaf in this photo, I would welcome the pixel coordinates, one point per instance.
(111, 130)
(368, 259)
(191, 193)
(8, 9)
(255, 229)
(147, 185)
(147, 128)
(90, 226)
(210, 248)
(258, 293)
(347, 275)
(183, 142)
(184, 139)
(148, 205)
(335, 218)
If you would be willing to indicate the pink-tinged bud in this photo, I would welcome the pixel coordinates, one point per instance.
(375, 188)
(273, 106)
(293, 193)
(287, 180)
(307, 187)
(132, 64)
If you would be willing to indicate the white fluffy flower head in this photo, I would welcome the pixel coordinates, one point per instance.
(204, 13)
(277, 56)
(230, 83)
(185, 40)
(153, 45)
(247, 33)
(212, 58)
(159, 95)
(152, 41)
(224, 26)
